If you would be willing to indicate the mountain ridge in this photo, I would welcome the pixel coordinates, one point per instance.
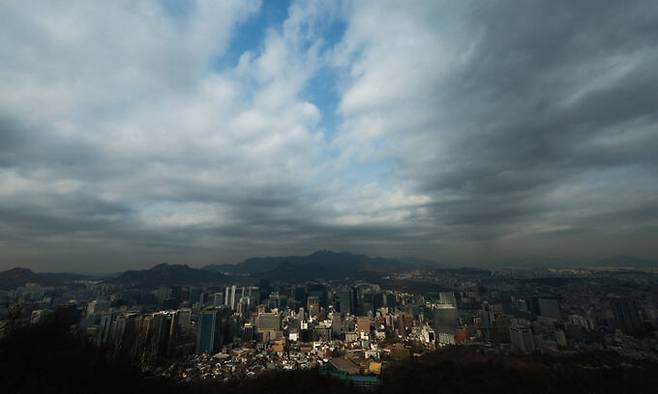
(167, 274)
(321, 264)
(19, 276)
(622, 261)
(257, 265)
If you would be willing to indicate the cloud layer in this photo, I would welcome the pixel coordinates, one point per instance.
(469, 132)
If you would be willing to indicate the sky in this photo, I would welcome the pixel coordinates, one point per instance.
(196, 132)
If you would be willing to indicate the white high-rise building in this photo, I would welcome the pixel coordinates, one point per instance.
(447, 297)
(229, 298)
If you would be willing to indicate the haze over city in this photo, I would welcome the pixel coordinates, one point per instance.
(463, 132)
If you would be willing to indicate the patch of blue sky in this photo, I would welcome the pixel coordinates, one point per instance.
(250, 35)
(321, 89)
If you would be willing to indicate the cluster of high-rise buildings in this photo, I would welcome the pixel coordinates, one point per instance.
(300, 325)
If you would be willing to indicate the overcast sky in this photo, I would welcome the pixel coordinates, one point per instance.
(135, 132)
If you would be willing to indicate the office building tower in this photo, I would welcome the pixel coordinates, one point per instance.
(91, 308)
(185, 320)
(268, 326)
(319, 291)
(244, 306)
(445, 319)
(157, 335)
(522, 339)
(378, 300)
(210, 331)
(218, 299)
(268, 321)
(487, 320)
(229, 297)
(545, 306)
(448, 298)
(313, 306)
(104, 328)
(500, 329)
(346, 301)
(124, 333)
(627, 315)
(205, 298)
(274, 300)
(391, 301)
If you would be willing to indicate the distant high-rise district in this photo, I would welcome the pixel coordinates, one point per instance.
(201, 324)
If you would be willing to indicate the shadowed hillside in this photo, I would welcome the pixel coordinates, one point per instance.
(17, 277)
(166, 275)
(323, 264)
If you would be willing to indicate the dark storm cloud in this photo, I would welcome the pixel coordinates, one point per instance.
(29, 147)
(530, 118)
(521, 133)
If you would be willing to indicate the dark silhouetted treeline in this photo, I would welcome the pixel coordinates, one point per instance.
(49, 358)
(461, 370)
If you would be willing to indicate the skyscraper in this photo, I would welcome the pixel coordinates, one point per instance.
(320, 291)
(447, 297)
(209, 335)
(313, 306)
(218, 299)
(545, 306)
(268, 325)
(229, 298)
(157, 336)
(627, 315)
(522, 339)
(346, 301)
(445, 319)
(269, 321)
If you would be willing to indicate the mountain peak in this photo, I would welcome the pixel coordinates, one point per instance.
(167, 274)
(19, 276)
(326, 252)
(19, 271)
(167, 266)
(319, 264)
(331, 253)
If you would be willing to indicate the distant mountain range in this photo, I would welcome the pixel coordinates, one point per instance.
(17, 277)
(623, 262)
(320, 265)
(323, 264)
(628, 262)
(166, 275)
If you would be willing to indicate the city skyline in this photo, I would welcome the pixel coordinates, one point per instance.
(188, 331)
(134, 133)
